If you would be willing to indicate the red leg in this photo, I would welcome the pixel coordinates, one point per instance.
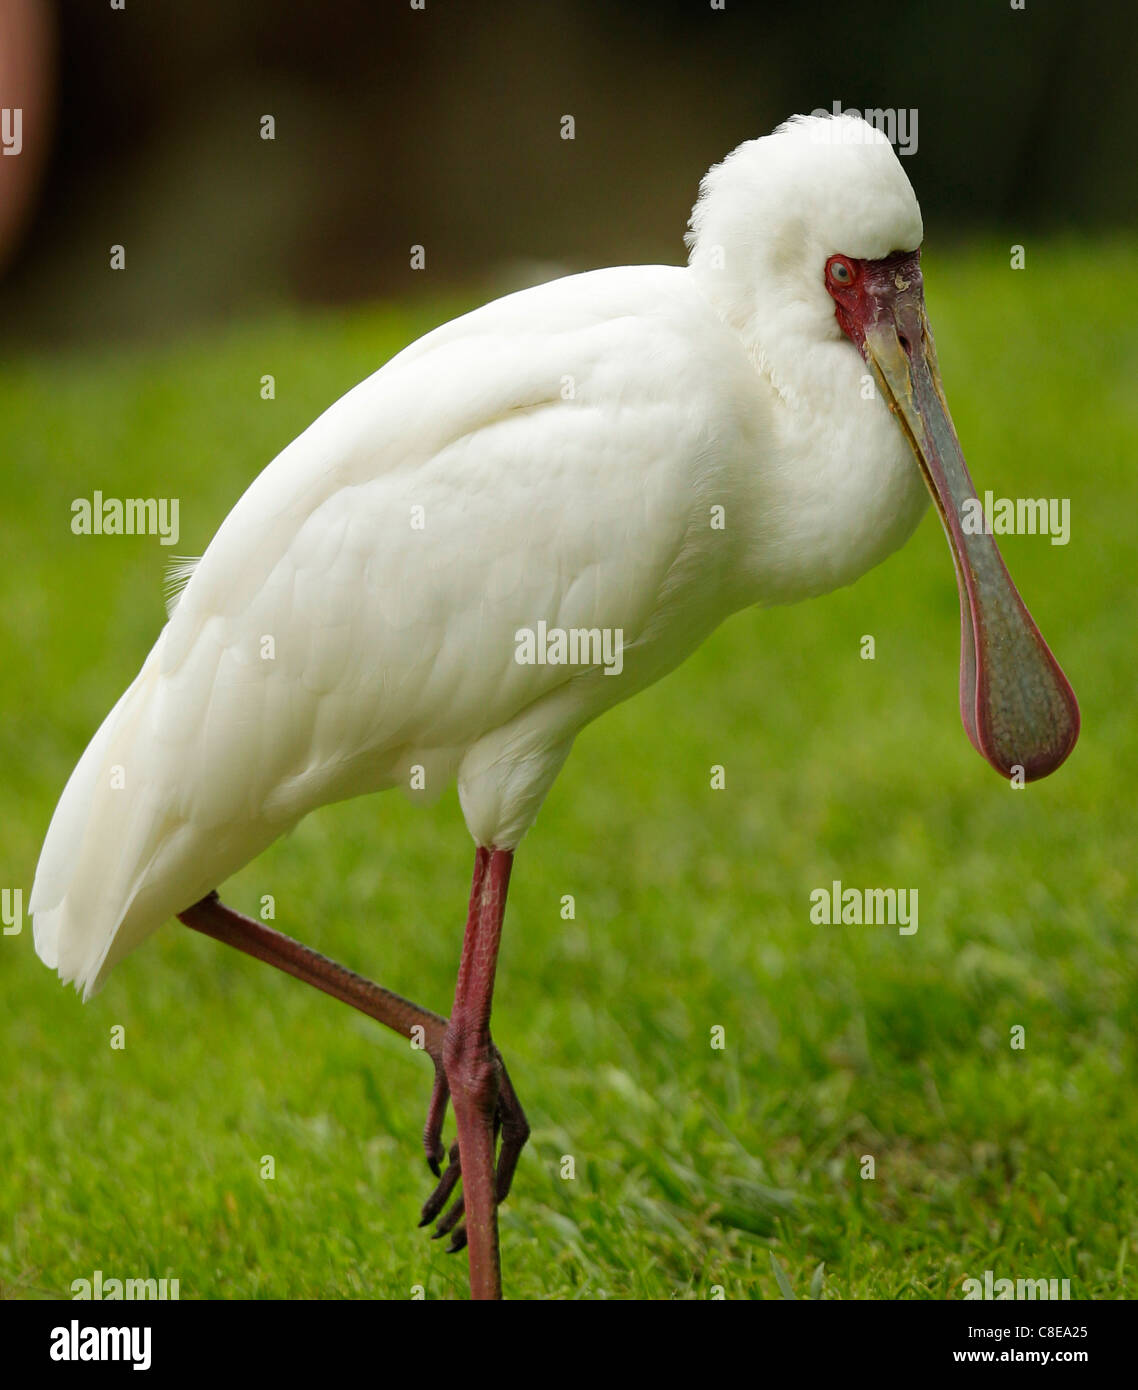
(473, 1069)
(211, 917)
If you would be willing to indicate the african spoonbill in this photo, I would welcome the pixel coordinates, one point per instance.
(403, 552)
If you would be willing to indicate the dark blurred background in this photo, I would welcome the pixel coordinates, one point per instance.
(442, 127)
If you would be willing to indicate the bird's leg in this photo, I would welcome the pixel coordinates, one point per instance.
(440, 1095)
(474, 1072)
(509, 1121)
(422, 1027)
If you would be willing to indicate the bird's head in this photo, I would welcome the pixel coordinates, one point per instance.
(810, 237)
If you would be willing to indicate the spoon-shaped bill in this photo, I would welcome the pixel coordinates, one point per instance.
(1017, 705)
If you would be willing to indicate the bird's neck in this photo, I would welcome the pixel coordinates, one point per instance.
(836, 488)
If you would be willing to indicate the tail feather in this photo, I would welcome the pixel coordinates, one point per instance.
(89, 906)
(67, 836)
(140, 832)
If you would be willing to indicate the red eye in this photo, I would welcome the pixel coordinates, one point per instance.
(840, 272)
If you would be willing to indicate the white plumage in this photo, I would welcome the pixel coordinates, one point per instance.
(566, 446)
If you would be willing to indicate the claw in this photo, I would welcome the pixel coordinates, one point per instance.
(436, 1114)
(450, 1220)
(509, 1126)
(441, 1195)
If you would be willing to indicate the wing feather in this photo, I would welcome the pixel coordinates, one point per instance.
(357, 609)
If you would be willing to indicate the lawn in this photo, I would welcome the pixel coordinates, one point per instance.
(692, 1163)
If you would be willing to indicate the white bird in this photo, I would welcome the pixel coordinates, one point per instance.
(523, 518)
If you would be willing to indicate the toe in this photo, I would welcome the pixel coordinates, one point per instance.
(442, 1193)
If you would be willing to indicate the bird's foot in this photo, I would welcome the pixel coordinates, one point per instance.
(510, 1125)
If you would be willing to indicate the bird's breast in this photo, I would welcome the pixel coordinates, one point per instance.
(838, 492)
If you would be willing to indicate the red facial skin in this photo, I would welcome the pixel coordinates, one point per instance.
(871, 290)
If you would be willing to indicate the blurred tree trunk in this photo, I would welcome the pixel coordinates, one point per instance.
(27, 109)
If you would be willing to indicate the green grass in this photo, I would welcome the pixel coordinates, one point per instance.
(692, 905)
